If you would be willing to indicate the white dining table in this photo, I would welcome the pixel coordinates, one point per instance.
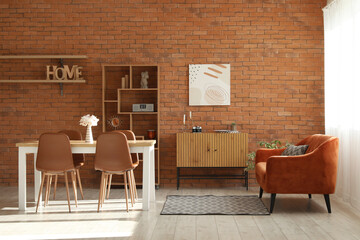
(146, 147)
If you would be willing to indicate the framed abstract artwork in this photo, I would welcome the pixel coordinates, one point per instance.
(209, 84)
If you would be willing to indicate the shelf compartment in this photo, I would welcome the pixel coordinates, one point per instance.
(112, 79)
(136, 76)
(142, 123)
(112, 119)
(127, 99)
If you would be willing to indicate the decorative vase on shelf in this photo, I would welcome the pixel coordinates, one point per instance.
(89, 136)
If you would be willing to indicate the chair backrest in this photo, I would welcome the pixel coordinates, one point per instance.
(128, 133)
(130, 136)
(54, 153)
(112, 153)
(75, 135)
(315, 141)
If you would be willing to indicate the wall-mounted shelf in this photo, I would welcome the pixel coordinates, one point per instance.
(137, 89)
(61, 57)
(137, 113)
(43, 56)
(42, 81)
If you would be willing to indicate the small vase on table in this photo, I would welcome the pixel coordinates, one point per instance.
(89, 121)
(89, 136)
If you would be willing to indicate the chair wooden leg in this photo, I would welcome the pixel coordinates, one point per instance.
(272, 203)
(261, 192)
(126, 193)
(40, 191)
(67, 190)
(309, 195)
(327, 200)
(133, 179)
(55, 184)
(101, 190)
(49, 193)
(106, 180)
(73, 179)
(80, 185)
(131, 190)
(109, 186)
(46, 189)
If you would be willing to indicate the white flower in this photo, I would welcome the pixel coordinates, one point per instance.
(88, 120)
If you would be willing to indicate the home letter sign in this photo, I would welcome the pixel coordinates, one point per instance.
(63, 73)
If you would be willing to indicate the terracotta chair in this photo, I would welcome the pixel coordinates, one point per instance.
(79, 159)
(112, 157)
(312, 173)
(54, 157)
(135, 159)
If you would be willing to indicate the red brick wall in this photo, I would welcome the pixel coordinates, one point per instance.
(275, 48)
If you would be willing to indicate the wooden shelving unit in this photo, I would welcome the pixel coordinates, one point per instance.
(117, 104)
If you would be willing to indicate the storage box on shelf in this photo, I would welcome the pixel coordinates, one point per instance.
(121, 89)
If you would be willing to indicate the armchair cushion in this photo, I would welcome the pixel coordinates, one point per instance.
(295, 150)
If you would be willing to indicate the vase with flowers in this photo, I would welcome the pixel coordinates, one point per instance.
(89, 121)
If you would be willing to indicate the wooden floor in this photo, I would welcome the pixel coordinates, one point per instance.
(294, 217)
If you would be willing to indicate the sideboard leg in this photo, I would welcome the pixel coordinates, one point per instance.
(178, 176)
(247, 180)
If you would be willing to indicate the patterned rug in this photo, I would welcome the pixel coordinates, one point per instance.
(213, 205)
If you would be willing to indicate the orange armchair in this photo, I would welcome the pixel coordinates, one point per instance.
(312, 173)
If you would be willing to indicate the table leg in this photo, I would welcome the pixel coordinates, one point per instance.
(37, 181)
(152, 174)
(22, 178)
(146, 178)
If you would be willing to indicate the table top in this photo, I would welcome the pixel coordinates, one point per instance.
(79, 143)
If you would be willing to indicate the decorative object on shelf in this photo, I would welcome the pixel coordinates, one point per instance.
(184, 123)
(123, 83)
(196, 129)
(127, 81)
(144, 107)
(114, 122)
(89, 121)
(209, 84)
(151, 134)
(144, 79)
(191, 119)
(233, 127)
(63, 72)
(225, 131)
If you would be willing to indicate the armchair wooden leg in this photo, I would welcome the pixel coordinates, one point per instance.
(261, 192)
(327, 200)
(272, 203)
(309, 195)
